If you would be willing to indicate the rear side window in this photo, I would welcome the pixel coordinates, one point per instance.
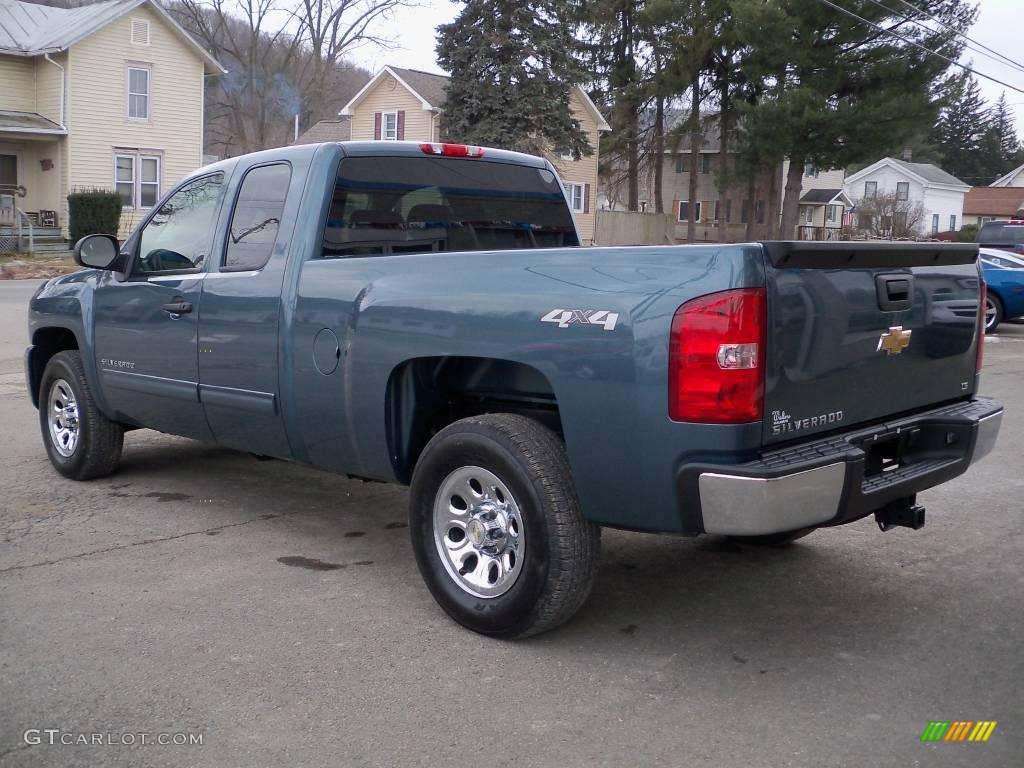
(257, 217)
(388, 205)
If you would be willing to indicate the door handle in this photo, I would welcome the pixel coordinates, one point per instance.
(177, 308)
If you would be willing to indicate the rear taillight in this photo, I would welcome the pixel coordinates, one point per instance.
(982, 300)
(716, 366)
(452, 150)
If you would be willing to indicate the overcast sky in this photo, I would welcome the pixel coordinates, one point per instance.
(998, 27)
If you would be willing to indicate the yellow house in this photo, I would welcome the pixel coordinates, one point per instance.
(106, 95)
(406, 104)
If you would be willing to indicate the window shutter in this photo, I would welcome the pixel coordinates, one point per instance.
(376, 125)
(401, 125)
(586, 198)
(140, 32)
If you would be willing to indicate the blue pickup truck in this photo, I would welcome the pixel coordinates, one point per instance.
(423, 314)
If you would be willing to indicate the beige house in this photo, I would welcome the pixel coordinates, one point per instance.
(406, 104)
(106, 95)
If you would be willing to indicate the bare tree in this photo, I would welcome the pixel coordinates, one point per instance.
(886, 215)
(331, 30)
(284, 57)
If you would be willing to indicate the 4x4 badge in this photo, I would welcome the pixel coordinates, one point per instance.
(894, 341)
(566, 317)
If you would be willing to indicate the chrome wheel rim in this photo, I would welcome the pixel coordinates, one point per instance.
(478, 532)
(990, 313)
(62, 412)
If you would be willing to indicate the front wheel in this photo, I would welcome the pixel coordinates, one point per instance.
(497, 529)
(81, 442)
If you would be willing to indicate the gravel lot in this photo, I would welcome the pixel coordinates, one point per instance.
(183, 595)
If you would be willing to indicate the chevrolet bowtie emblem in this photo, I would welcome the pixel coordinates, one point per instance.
(894, 341)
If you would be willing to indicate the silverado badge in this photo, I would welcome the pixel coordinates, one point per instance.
(894, 341)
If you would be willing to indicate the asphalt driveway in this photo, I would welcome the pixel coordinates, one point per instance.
(276, 612)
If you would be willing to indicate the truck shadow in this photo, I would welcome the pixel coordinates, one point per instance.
(654, 595)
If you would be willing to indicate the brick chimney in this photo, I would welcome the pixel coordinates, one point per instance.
(908, 154)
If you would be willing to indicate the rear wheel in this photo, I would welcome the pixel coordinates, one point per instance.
(81, 442)
(993, 313)
(773, 539)
(496, 527)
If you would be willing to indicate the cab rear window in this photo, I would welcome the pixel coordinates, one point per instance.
(392, 205)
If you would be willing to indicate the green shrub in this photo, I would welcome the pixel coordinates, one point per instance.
(968, 233)
(93, 212)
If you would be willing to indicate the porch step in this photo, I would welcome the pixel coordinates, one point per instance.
(48, 248)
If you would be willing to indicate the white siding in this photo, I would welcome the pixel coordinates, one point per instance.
(17, 84)
(391, 96)
(934, 200)
(48, 84)
(584, 170)
(97, 113)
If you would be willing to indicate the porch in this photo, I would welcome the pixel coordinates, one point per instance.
(32, 201)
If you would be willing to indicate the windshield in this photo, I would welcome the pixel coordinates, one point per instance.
(1002, 259)
(388, 205)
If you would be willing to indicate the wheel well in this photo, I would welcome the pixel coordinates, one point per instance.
(46, 342)
(426, 394)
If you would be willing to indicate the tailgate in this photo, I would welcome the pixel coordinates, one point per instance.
(859, 332)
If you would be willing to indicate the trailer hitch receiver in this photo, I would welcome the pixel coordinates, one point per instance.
(902, 513)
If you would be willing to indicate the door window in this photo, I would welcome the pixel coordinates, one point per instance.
(257, 217)
(178, 235)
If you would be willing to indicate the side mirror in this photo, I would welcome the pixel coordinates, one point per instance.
(97, 251)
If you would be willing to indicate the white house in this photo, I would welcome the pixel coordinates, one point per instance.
(941, 194)
(1014, 178)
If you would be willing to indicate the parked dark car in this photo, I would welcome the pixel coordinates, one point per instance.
(1005, 235)
(1004, 274)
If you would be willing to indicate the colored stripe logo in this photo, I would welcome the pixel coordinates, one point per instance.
(958, 730)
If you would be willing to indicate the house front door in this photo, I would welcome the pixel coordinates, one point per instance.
(8, 173)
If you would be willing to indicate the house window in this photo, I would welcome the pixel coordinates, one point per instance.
(809, 214)
(705, 163)
(935, 223)
(760, 211)
(575, 193)
(684, 211)
(140, 32)
(952, 223)
(716, 211)
(565, 155)
(903, 190)
(728, 211)
(138, 93)
(681, 164)
(745, 212)
(870, 188)
(137, 179)
(810, 170)
(832, 213)
(389, 126)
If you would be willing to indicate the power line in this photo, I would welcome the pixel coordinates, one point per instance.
(880, 28)
(993, 55)
(964, 35)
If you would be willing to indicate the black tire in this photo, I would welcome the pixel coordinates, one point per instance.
(97, 449)
(561, 546)
(997, 304)
(783, 539)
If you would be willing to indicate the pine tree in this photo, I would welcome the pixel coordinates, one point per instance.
(961, 129)
(1000, 149)
(512, 71)
(841, 90)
